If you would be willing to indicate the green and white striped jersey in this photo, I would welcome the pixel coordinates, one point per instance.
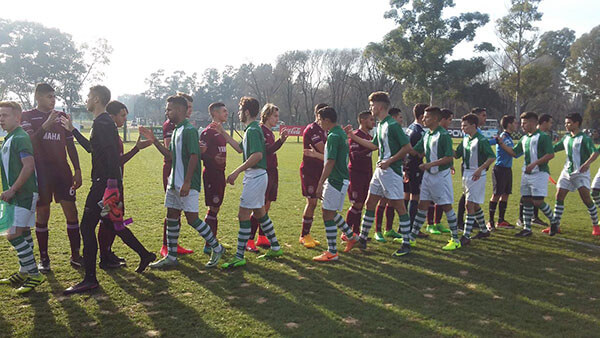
(579, 148)
(184, 143)
(17, 145)
(390, 138)
(535, 146)
(435, 145)
(474, 150)
(254, 142)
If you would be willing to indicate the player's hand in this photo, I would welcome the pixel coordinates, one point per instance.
(319, 192)
(220, 159)
(218, 127)
(141, 144)
(348, 129)
(476, 175)
(7, 195)
(50, 120)
(529, 168)
(66, 122)
(383, 165)
(232, 177)
(310, 152)
(424, 166)
(185, 189)
(283, 135)
(452, 171)
(584, 168)
(147, 133)
(203, 146)
(77, 181)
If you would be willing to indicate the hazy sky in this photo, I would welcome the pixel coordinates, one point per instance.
(195, 35)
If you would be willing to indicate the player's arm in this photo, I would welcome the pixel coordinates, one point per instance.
(192, 144)
(312, 152)
(67, 123)
(232, 142)
(361, 141)
(272, 148)
(74, 157)
(589, 144)
(401, 154)
(440, 162)
(139, 145)
(26, 172)
(560, 145)
(446, 153)
(459, 150)
(327, 169)
(149, 135)
(249, 163)
(106, 147)
(512, 151)
(546, 143)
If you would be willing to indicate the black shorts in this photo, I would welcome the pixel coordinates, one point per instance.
(413, 186)
(57, 183)
(502, 179)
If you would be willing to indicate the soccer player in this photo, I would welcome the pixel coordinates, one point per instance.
(360, 171)
(214, 159)
(537, 148)
(269, 117)
(107, 186)
(252, 201)
(477, 156)
(54, 175)
(168, 128)
(413, 175)
(20, 194)
(502, 174)
(575, 175)
(436, 186)
(313, 137)
(185, 182)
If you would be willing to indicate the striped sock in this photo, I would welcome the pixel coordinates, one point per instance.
(480, 218)
(559, 208)
(29, 240)
(331, 234)
(593, 213)
(451, 218)
(405, 228)
(204, 231)
(341, 223)
(25, 254)
(172, 237)
(545, 208)
(367, 223)
(243, 236)
(596, 198)
(469, 225)
(418, 223)
(527, 216)
(269, 230)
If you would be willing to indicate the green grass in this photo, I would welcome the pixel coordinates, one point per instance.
(539, 286)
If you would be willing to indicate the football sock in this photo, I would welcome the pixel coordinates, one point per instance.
(367, 223)
(267, 227)
(243, 236)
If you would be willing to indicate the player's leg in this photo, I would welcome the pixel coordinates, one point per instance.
(267, 227)
(42, 216)
(470, 221)
(70, 210)
(203, 229)
(496, 177)
(404, 218)
(214, 194)
(368, 218)
(439, 212)
(559, 206)
(164, 249)
(105, 239)
(309, 189)
(390, 213)
(538, 201)
(263, 240)
(132, 242)
(584, 193)
(431, 227)
(28, 276)
(502, 205)
(379, 214)
(454, 242)
(527, 216)
(173, 227)
(462, 203)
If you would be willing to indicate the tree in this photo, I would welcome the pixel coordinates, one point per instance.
(417, 50)
(583, 65)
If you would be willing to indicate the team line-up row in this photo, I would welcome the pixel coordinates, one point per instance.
(336, 162)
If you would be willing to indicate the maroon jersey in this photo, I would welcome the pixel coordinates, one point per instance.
(360, 157)
(216, 145)
(271, 147)
(49, 146)
(168, 128)
(313, 134)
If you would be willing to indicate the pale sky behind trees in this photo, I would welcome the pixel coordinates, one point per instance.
(195, 35)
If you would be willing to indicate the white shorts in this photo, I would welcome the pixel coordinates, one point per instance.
(255, 186)
(387, 183)
(535, 184)
(474, 190)
(188, 203)
(596, 182)
(573, 181)
(333, 199)
(437, 187)
(23, 217)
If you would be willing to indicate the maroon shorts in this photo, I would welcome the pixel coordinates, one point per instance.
(214, 187)
(359, 186)
(309, 183)
(272, 185)
(54, 182)
(166, 173)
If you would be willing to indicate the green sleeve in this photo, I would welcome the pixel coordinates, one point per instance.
(190, 140)
(486, 149)
(545, 145)
(253, 143)
(399, 135)
(376, 140)
(459, 150)
(22, 145)
(589, 145)
(419, 147)
(332, 145)
(518, 148)
(559, 146)
(445, 146)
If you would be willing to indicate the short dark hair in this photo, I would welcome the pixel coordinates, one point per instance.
(446, 113)
(328, 113)
(178, 100)
(575, 117)
(102, 92)
(394, 111)
(506, 120)
(214, 106)
(43, 88)
(319, 106)
(114, 107)
(419, 110)
(250, 104)
(380, 96)
(436, 111)
(544, 118)
(470, 119)
(186, 96)
(529, 115)
(363, 115)
(477, 110)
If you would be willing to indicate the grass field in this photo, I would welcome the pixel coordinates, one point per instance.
(504, 286)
